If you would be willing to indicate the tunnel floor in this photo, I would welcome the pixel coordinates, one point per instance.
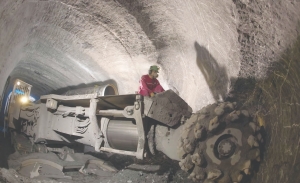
(169, 170)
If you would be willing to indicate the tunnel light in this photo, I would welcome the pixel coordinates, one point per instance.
(18, 83)
(24, 100)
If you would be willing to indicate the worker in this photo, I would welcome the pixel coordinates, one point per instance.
(149, 85)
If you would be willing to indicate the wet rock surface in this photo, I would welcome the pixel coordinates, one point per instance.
(275, 97)
(276, 100)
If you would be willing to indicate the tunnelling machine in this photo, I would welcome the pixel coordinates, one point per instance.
(219, 143)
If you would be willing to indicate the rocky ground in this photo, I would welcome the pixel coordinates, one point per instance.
(168, 171)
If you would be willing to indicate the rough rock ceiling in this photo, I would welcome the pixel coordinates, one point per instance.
(55, 44)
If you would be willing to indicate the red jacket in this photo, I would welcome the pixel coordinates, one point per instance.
(148, 85)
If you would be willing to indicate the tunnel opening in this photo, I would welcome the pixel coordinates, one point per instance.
(110, 90)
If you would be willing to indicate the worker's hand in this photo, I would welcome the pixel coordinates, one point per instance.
(152, 94)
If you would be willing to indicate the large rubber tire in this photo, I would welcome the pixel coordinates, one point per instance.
(219, 144)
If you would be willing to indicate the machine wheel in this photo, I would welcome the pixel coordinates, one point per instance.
(41, 168)
(219, 144)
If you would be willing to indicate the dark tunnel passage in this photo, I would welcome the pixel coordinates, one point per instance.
(209, 52)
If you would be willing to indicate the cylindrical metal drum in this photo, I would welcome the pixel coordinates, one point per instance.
(103, 90)
(122, 135)
(108, 90)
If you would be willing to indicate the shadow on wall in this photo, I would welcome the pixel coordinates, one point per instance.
(215, 76)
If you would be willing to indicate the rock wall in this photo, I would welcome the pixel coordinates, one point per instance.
(199, 45)
(56, 44)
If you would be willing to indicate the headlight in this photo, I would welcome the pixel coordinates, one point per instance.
(24, 100)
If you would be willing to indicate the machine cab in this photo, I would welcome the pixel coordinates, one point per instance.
(19, 96)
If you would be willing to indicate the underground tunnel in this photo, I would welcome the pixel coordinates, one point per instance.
(230, 69)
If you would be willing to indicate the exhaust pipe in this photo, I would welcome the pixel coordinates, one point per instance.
(104, 90)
